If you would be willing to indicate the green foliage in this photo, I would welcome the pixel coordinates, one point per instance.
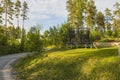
(95, 35)
(116, 33)
(54, 36)
(75, 64)
(23, 39)
(33, 42)
(100, 22)
(108, 18)
(76, 11)
(65, 33)
(58, 36)
(109, 33)
(8, 11)
(90, 14)
(24, 12)
(4, 50)
(12, 39)
(18, 33)
(46, 40)
(3, 40)
(9, 43)
(17, 10)
(85, 12)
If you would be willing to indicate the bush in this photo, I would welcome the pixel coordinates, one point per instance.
(109, 33)
(3, 40)
(95, 35)
(33, 41)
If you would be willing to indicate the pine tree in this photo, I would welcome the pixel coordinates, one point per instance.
(17, 10)
(18, 33)
(1, 12)
(33, 42)
(76, 10)
(24, 12)
(23, 40)
(9, 11)
(90, 14)
(71, 12)
(116, 16)
(108, 18)
(100, 22)
(117, 10)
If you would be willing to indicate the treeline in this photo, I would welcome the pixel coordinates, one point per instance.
(83, 14)
(10, 10)
(14, 39)
(57, 36)
(17, 40)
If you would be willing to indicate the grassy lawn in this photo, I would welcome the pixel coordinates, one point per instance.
(75, 64)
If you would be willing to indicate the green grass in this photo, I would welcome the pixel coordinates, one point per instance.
(75, 64)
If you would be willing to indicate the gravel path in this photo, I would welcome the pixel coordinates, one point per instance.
(5, 62)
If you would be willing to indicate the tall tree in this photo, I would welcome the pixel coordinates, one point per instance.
(71, 12)
(23, 39)
(66, 34)
(108, 18)
(100, 22)
(17, 10)
(1, 11)
(80, 12)
(90, 14)
(33, 41)
(17, 33)
(46, 38)
(116, 15)
(8, 10)
(116, 20)
(54, 35)
(76, 10)
(76, 15)
(24, 12)
(117, 10)
(72, 17)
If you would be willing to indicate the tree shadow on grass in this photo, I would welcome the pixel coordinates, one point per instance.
(69, 68)
(61, 69)
(66, 70)
(108, 71)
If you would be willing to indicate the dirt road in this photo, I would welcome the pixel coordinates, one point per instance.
(5, 62)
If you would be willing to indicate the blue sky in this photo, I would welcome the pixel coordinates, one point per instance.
(53, 12)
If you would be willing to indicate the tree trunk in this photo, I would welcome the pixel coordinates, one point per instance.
(5, 20)
(22, 29)
(77, 37)
(23, 24)
(18, 22)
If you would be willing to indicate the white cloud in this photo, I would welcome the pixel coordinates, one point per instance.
(44, 11)
(103, 4)
(45, 8)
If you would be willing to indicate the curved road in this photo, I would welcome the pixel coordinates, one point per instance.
(5, 62)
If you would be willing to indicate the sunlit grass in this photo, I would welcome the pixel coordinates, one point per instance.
(75, 64)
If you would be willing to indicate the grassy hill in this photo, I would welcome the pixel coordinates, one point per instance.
(75, 64)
